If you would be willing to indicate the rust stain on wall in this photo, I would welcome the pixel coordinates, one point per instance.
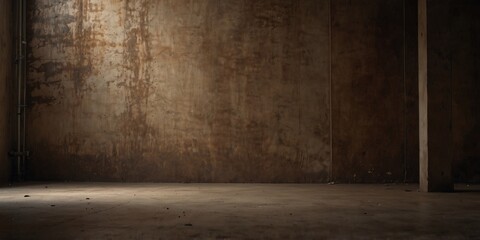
(234, 91)
(136, 75)
(210, 91)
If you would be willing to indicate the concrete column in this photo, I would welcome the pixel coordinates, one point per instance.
(435, 91)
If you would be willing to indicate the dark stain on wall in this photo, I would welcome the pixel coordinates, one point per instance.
(208, 91)
(138, 85)
(236, 91)
(465, 65)
(411, 161)
(6, 75)
(368, 91)
(439, 89)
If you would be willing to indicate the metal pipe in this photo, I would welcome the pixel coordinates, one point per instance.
(19, 86)
(20, 69)
(24, 105)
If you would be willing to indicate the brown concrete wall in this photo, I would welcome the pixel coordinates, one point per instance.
(453, 74)
(6, 65)
(368, 90)
(453, 86)
(209, 91)
(231, 91)
(411, 161)
(436, 168)
(465, 66)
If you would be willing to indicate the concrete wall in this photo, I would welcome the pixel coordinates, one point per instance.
(6, 66)
(371, 90)
(227, 91)
(210, 91)
(453, 75)
(465, 73)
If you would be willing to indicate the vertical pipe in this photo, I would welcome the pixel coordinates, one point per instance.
(17, 26)
(20, 71)
(19, 86)
(24, 70)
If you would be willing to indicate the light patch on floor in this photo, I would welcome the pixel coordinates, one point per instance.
(236, 211)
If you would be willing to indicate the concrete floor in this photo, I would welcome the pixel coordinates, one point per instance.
(236, 211)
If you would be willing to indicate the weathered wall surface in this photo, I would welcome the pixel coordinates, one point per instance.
(439, 97)
(368, 90)
(453, 71)
(6, 65)
(210, 91)
(236, 91)
(465, 66)
(411, 162)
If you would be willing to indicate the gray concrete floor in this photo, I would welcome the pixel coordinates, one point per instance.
(236, 211)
